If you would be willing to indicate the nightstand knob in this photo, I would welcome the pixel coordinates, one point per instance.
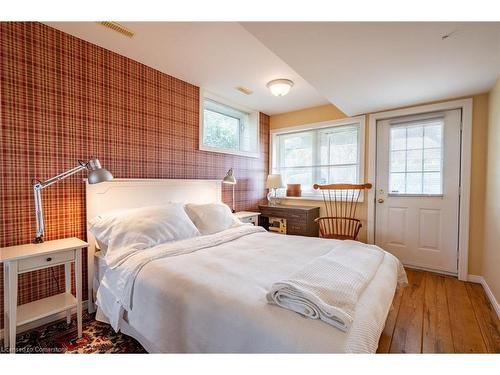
(48, 259)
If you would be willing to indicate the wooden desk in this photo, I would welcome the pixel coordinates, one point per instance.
(299, 219)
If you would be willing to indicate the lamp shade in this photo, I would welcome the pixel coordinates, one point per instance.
(97, 173)
(229, 178)
(274, 181)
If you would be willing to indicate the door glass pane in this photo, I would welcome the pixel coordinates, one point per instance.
(416, 155)
(398, 138)
(397, 183)
(414, 137)
(398, 161)
(432, 160)
(432, 136)
(413, 183)
(432, 183)
(414, 160)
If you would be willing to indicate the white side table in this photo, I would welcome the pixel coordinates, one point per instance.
(31, 257)
(248, 217)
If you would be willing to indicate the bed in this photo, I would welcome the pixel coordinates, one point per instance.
(214, 300)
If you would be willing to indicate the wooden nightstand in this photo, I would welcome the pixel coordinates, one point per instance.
(299, 219)
(32, 257)
(248, 217)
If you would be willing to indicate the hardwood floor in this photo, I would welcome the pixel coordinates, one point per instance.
(439, 314)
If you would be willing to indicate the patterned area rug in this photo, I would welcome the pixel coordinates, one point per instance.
(59, 337)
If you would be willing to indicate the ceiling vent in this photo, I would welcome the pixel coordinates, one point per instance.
(115, 26)
(244, 90)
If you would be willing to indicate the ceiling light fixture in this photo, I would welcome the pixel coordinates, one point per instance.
(280, 87)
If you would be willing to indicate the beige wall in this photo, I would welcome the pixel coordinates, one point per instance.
(478, 173)
(478, 180)
(306, 116)
(491, 250)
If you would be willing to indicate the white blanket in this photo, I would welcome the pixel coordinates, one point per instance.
(328, 287)
(115, 292)
(214, 300)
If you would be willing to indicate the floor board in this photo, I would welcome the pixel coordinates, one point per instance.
(440, 314)
(436, 337)
(467, 337)
(407, 336)
(486, 317)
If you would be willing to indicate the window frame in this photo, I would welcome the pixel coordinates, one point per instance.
(359, 121)
(253, 117)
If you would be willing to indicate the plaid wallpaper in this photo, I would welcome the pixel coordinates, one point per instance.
(64, 99)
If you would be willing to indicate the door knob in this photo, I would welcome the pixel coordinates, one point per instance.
(380, 200)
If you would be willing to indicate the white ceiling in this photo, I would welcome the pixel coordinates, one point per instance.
(217, 56)
(359, 67)
(368, 67)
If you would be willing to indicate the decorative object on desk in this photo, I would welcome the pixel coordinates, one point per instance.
(277, 224)
(230, 180)
(341, 201)
(274, 182)
(293, 190)
(96, 174)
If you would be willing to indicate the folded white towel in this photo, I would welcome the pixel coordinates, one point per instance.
(329, 286)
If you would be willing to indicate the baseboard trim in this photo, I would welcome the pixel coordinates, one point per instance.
(46, 320)
(480, 280)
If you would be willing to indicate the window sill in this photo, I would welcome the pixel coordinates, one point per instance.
(304, 198)
(230, 152)
(312, 198)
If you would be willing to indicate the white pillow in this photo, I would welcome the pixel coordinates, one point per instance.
(123, 232)
(211, 218)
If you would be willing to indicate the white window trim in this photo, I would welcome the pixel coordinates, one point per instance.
(254, 116)
(358, 120)
(465, 169)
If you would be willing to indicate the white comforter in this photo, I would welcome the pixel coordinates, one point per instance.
(208, 294)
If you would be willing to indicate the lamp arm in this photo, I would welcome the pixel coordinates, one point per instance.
(37, 189)
(62, 176)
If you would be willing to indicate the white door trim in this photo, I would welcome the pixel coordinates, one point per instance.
(465, 169)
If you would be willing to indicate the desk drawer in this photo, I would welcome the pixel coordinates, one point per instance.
(43, 261)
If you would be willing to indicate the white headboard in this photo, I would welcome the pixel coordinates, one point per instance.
(132, 193)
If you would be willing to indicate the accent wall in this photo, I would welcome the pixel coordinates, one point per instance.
(64, 99)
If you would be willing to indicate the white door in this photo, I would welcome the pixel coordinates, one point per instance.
(417, 189)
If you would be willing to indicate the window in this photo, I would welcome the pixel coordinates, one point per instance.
(326, 154)
(228, 129)
(416, 156)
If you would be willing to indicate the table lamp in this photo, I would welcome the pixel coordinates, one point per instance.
(274, 182)
(96, 174)
(230, 180)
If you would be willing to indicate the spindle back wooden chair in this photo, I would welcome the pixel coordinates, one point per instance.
(341, 202)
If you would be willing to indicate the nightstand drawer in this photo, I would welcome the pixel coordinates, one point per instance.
(249, 219)
(48, 260)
